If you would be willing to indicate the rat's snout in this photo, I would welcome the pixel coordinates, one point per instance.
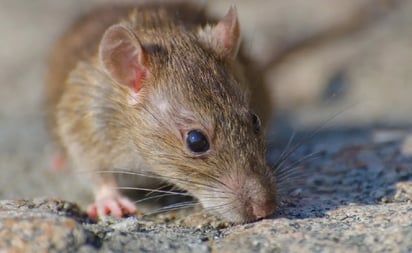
(258, 198)
(247, 197)
(262, 210)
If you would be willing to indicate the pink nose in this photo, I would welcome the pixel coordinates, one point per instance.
(261, 210)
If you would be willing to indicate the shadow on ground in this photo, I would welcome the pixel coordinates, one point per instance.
(341, 166)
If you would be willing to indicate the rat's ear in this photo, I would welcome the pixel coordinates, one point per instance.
(123, 57)
(224, 37)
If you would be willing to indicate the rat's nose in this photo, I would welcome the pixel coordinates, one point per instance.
(254, 196)
(259, 197)
(262, 210)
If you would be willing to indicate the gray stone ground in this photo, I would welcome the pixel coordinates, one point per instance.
(356, 196)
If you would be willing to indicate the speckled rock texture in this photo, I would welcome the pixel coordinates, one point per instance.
(339, 68)
(357, 200)
(40, 226)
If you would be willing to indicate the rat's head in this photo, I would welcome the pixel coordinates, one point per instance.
(189, 117)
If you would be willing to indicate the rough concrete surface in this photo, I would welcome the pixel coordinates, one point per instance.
(342, 68)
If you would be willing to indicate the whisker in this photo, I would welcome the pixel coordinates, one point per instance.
(217, 180)
(173, 207)
(311, 135)
(153, 197)
(152, 190)
(150, 175)
(290, 141)
(222, 208)
(123, 172)
(281, 171)
(284, 155)
(208, 186)
(292, 177)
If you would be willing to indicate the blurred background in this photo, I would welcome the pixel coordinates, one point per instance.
(348, 63)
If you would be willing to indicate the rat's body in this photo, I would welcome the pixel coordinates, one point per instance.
(157, 91)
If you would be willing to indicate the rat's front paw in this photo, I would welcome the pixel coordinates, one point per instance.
(117, 206)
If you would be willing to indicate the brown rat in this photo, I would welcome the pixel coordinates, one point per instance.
(157, 90)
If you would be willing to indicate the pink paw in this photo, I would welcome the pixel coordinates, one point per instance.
(111, 206)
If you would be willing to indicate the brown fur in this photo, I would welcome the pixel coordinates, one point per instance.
(193, 84)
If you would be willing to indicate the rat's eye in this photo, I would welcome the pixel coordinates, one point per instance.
(256, 122)
(197, 142)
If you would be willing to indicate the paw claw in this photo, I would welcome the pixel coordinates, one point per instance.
(111, 206)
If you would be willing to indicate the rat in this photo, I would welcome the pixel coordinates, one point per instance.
(159, 89)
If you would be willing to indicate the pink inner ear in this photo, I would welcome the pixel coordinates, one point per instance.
(136, 66)
(225, 35)
(227, 32)
(139, 76)
(124, 58)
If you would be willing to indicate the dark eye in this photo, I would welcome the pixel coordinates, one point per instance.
(255, 122)
(197, 142)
